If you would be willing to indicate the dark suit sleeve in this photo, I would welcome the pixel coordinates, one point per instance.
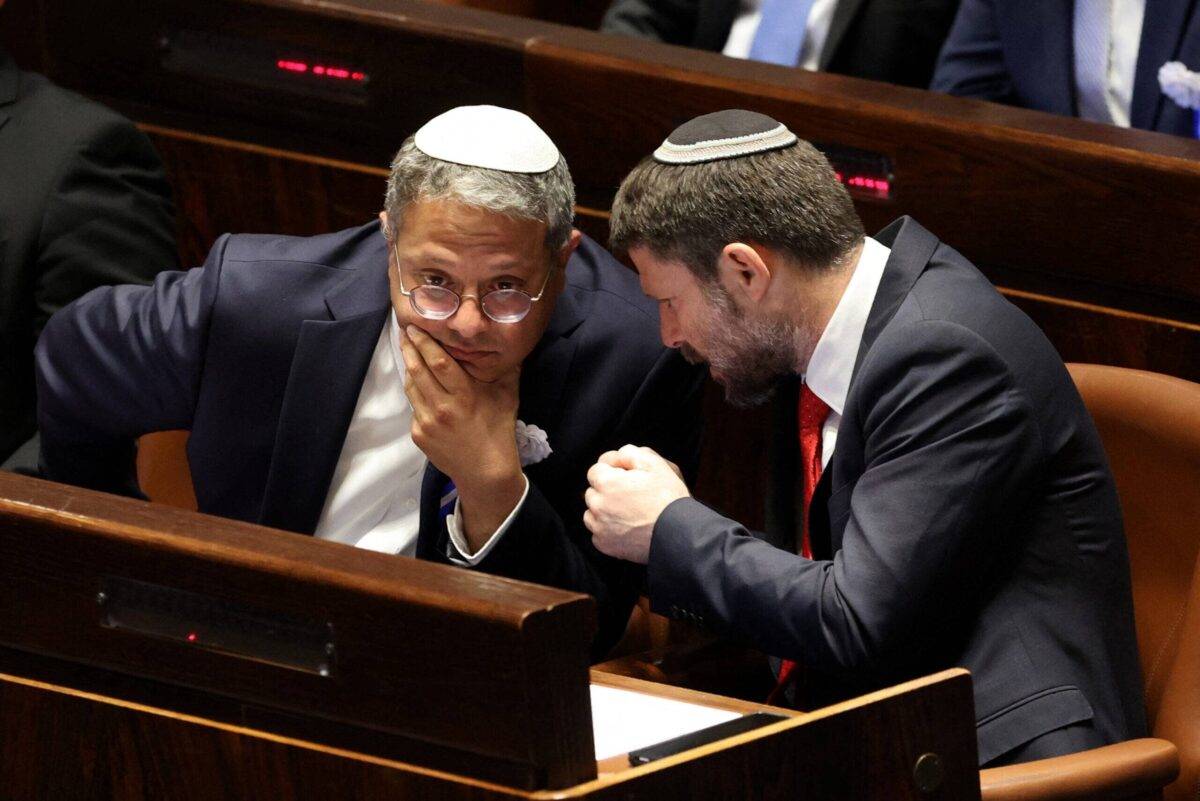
(950, 448)
(971, 63)
(108, 220)
(551, 546)
(671, 21)
(118, 363)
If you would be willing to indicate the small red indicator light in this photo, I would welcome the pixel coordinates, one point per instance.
(192, 636)
(879, 187)
(323, 70)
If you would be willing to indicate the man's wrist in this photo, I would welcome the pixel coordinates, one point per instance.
(509, 484)
(485, 503)
(491, 477)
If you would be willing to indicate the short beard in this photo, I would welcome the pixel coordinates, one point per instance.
(751, 355)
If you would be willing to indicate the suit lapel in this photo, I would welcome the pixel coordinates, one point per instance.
(1059, 49)
(912, 247)
(328, 367)
(843, 15)
(1163, 29)
(432, 534)
(544, 373)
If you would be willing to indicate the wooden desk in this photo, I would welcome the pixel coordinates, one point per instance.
(153, 653)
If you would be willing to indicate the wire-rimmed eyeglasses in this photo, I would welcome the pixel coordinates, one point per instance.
(439, 303)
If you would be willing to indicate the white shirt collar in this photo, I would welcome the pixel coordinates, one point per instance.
(832, 361)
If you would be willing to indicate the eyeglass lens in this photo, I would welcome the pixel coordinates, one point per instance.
(501, 305)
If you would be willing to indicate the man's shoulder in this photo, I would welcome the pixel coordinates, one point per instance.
(274, 280)
(954, 324)
(339, 251)
(609, 291)
(54, 126)
(60, 114)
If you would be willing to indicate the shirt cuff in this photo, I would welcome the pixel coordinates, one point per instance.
(458, 550)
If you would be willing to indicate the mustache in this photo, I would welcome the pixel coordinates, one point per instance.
(463, 344)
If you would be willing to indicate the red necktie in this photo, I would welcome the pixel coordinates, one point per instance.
(812, 414)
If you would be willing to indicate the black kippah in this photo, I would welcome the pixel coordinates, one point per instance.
(723, 135)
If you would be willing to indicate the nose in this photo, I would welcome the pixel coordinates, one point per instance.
(469, 320)
(668, 329)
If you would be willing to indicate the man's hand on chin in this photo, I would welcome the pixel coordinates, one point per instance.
(629, 489)
(467, 429)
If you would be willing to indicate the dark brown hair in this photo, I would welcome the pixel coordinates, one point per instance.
(788, 199)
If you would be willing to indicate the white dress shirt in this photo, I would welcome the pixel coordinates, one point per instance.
(741, 35)
(1125, 41)
(832, 361)
(374, 498)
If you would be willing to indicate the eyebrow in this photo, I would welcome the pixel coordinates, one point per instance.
(442, 267)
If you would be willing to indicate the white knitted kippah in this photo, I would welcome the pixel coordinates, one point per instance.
(488, 136)
(723, 135)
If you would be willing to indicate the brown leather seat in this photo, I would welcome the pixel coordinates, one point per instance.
(1150, 425)
(162, 469)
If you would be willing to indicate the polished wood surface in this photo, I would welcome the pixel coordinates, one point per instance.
(397, 627)
(582, 13)
(105, 747)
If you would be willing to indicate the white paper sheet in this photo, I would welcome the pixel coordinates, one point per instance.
(624, 720)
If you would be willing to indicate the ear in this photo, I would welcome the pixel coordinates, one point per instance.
(743, 271)
(383, 222)
(572, 243)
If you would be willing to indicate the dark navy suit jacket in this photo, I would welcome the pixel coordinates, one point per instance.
(261, 354)
(967, 517)
(1021, 52)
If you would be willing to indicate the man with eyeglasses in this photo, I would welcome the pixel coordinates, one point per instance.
(435, 385)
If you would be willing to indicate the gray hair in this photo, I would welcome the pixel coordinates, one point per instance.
(788, 199)
(547, 197)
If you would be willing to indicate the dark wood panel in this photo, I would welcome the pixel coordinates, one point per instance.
(102, 747)
(1103, 335)
(71, 748)
(888, 740)
(229, 187)
(510, 653)
(420, 58)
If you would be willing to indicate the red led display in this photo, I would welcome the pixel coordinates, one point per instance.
(321, 70)
(876, 186)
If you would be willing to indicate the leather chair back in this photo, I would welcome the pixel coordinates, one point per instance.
(1150, 426)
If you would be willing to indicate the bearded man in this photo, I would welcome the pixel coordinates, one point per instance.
(939, 495)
